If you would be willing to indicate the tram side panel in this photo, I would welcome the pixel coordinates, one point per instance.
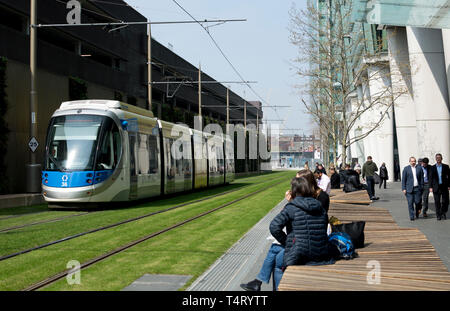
(147, 160)
(216, 161)
(177, 158)
(229, 160)
(201, 160)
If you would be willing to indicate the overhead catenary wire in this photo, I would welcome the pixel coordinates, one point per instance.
(122, 23)
(224, 55)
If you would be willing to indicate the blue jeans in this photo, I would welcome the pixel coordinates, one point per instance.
(273, 262)
(370, 186)
(414, 198)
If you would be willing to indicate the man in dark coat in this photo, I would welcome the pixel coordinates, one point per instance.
(368, 171)
(426, 185)
(412, 186)
(352, 182)
(440, 186)
(335, 179)
(306, 225)
(383, 175)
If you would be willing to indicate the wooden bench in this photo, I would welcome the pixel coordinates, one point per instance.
(406, 259)
(356, 197)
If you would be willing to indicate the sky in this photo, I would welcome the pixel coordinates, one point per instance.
(258, 48)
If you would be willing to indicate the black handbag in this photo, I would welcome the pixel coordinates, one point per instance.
(355, 230)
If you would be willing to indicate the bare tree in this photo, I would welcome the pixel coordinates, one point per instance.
(338, 70)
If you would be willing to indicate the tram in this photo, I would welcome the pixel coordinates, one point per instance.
(107, 151)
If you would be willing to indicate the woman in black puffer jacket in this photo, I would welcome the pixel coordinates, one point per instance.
(306, 224)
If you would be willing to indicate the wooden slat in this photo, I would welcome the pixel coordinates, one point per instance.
(407, 259)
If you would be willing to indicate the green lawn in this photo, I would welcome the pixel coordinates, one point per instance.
(19, 272)
(20, 239)
(188, 250)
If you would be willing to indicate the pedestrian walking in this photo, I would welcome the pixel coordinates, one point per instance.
(368, 170)
(426, 185)
(383, 175)
(412, 187)
(440, 186)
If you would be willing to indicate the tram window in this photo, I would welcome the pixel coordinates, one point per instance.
(109, 152)
(170, 166)
(143, 154)
(220, 160)
(117, 144)
(212, 160)
(106, 153)
(187, 163)
(154, 151)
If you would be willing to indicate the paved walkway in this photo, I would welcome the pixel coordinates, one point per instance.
(243, 260)
(241, 263)
(437, 232)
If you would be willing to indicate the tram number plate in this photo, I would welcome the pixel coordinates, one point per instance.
(64, 179)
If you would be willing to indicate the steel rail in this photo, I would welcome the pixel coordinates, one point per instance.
(21, 215)
(43, 222)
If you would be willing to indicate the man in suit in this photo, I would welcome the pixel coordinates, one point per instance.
(412, 187)
(426, 185)
(440, 186)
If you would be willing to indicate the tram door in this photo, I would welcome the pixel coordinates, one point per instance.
(132, 137)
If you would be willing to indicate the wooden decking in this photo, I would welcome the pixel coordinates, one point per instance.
(405, 257)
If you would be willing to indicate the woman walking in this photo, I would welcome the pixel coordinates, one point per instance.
(383, 175)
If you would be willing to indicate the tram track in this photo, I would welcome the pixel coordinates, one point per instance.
(53, 220)
(120, 249)
(43, 222)
(22, 215)
(120, 223)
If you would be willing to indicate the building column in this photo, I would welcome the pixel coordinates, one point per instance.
(365, 118)
(355, 149)
(404, 109)
(446, 43)
(382, 138)
(429, 81)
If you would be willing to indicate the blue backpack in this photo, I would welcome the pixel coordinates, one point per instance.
(343, 245)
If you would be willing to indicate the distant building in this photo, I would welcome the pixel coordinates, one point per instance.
(295, 150)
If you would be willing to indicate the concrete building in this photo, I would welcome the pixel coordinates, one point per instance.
(94, 62)
(419, 60)
(292, 151)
